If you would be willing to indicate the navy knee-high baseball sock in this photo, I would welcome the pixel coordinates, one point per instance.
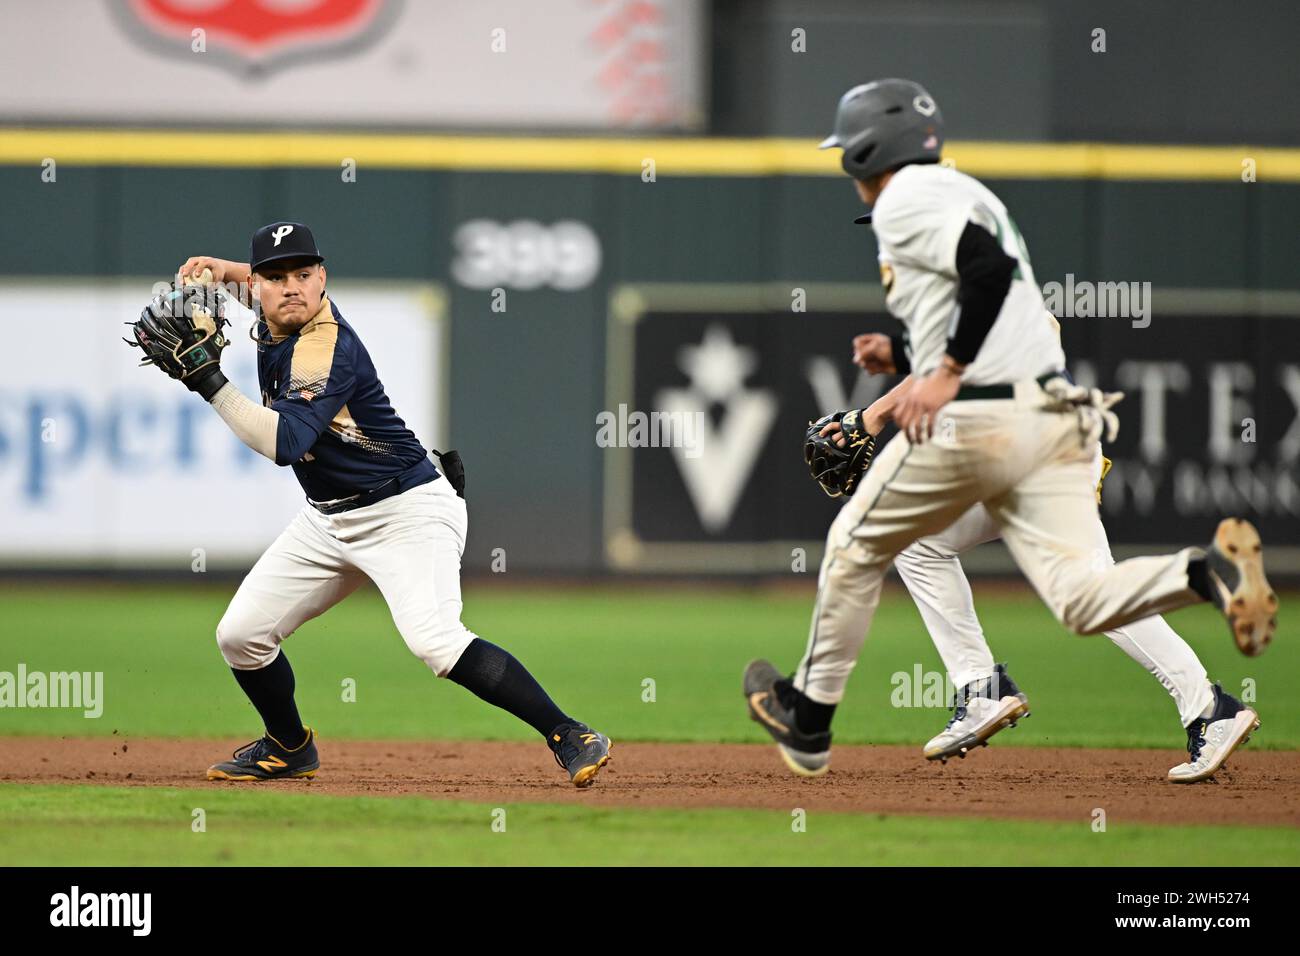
(497, 677)
(270, 690)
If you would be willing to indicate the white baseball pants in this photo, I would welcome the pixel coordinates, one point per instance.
(932, 572)
(1032, 469)
(410, 545)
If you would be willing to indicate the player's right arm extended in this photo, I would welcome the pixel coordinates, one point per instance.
(223, 270)
(226, 271)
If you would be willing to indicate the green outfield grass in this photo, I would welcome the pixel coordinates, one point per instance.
(87, 826)
(594, 649)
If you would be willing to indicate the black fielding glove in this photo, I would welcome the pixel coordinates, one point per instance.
(181, 332)
(838, 469)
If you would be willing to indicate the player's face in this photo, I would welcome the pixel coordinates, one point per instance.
(290, 293)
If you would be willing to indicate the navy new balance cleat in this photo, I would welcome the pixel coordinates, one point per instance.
(982, 708)
(1212, 740)
(580, 750)
(268, 759)
(771, 699)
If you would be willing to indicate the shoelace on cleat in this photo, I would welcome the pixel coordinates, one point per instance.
(556, 754)
(1196, 740)
(968, 693)
(959, 713)
(253, 750)
(566, 750)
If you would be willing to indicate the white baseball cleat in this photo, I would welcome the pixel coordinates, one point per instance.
(1211, 741)
(1238, 587)
(983, 708)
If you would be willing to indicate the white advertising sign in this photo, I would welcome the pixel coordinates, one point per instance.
(104, 463)
(483, 63)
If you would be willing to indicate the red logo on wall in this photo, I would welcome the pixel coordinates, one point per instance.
(257, 37)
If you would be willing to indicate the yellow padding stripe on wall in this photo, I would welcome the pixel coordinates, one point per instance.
(672, 157)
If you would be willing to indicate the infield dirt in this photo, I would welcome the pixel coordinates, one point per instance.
(1258, 788)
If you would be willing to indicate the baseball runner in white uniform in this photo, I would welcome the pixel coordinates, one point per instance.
(994, 436)
(376, 507)
(988, 700)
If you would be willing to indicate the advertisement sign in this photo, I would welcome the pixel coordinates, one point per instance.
(1210, 424)
(91, 444)
(564, 63)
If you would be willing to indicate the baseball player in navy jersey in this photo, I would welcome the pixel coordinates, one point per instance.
(988, 420)
(377, 507)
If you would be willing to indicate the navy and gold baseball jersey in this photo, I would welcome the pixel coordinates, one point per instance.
(337, 427)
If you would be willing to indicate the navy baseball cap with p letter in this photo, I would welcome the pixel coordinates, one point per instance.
(282, 240)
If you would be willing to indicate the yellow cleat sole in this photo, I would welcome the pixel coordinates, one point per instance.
(587, 775)
(214, 774)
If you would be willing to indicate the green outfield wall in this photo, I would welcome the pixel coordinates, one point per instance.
(547, 255)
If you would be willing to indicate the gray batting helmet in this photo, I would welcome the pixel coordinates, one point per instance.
(884, 124)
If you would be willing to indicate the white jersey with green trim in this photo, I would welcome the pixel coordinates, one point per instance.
(918, 220)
